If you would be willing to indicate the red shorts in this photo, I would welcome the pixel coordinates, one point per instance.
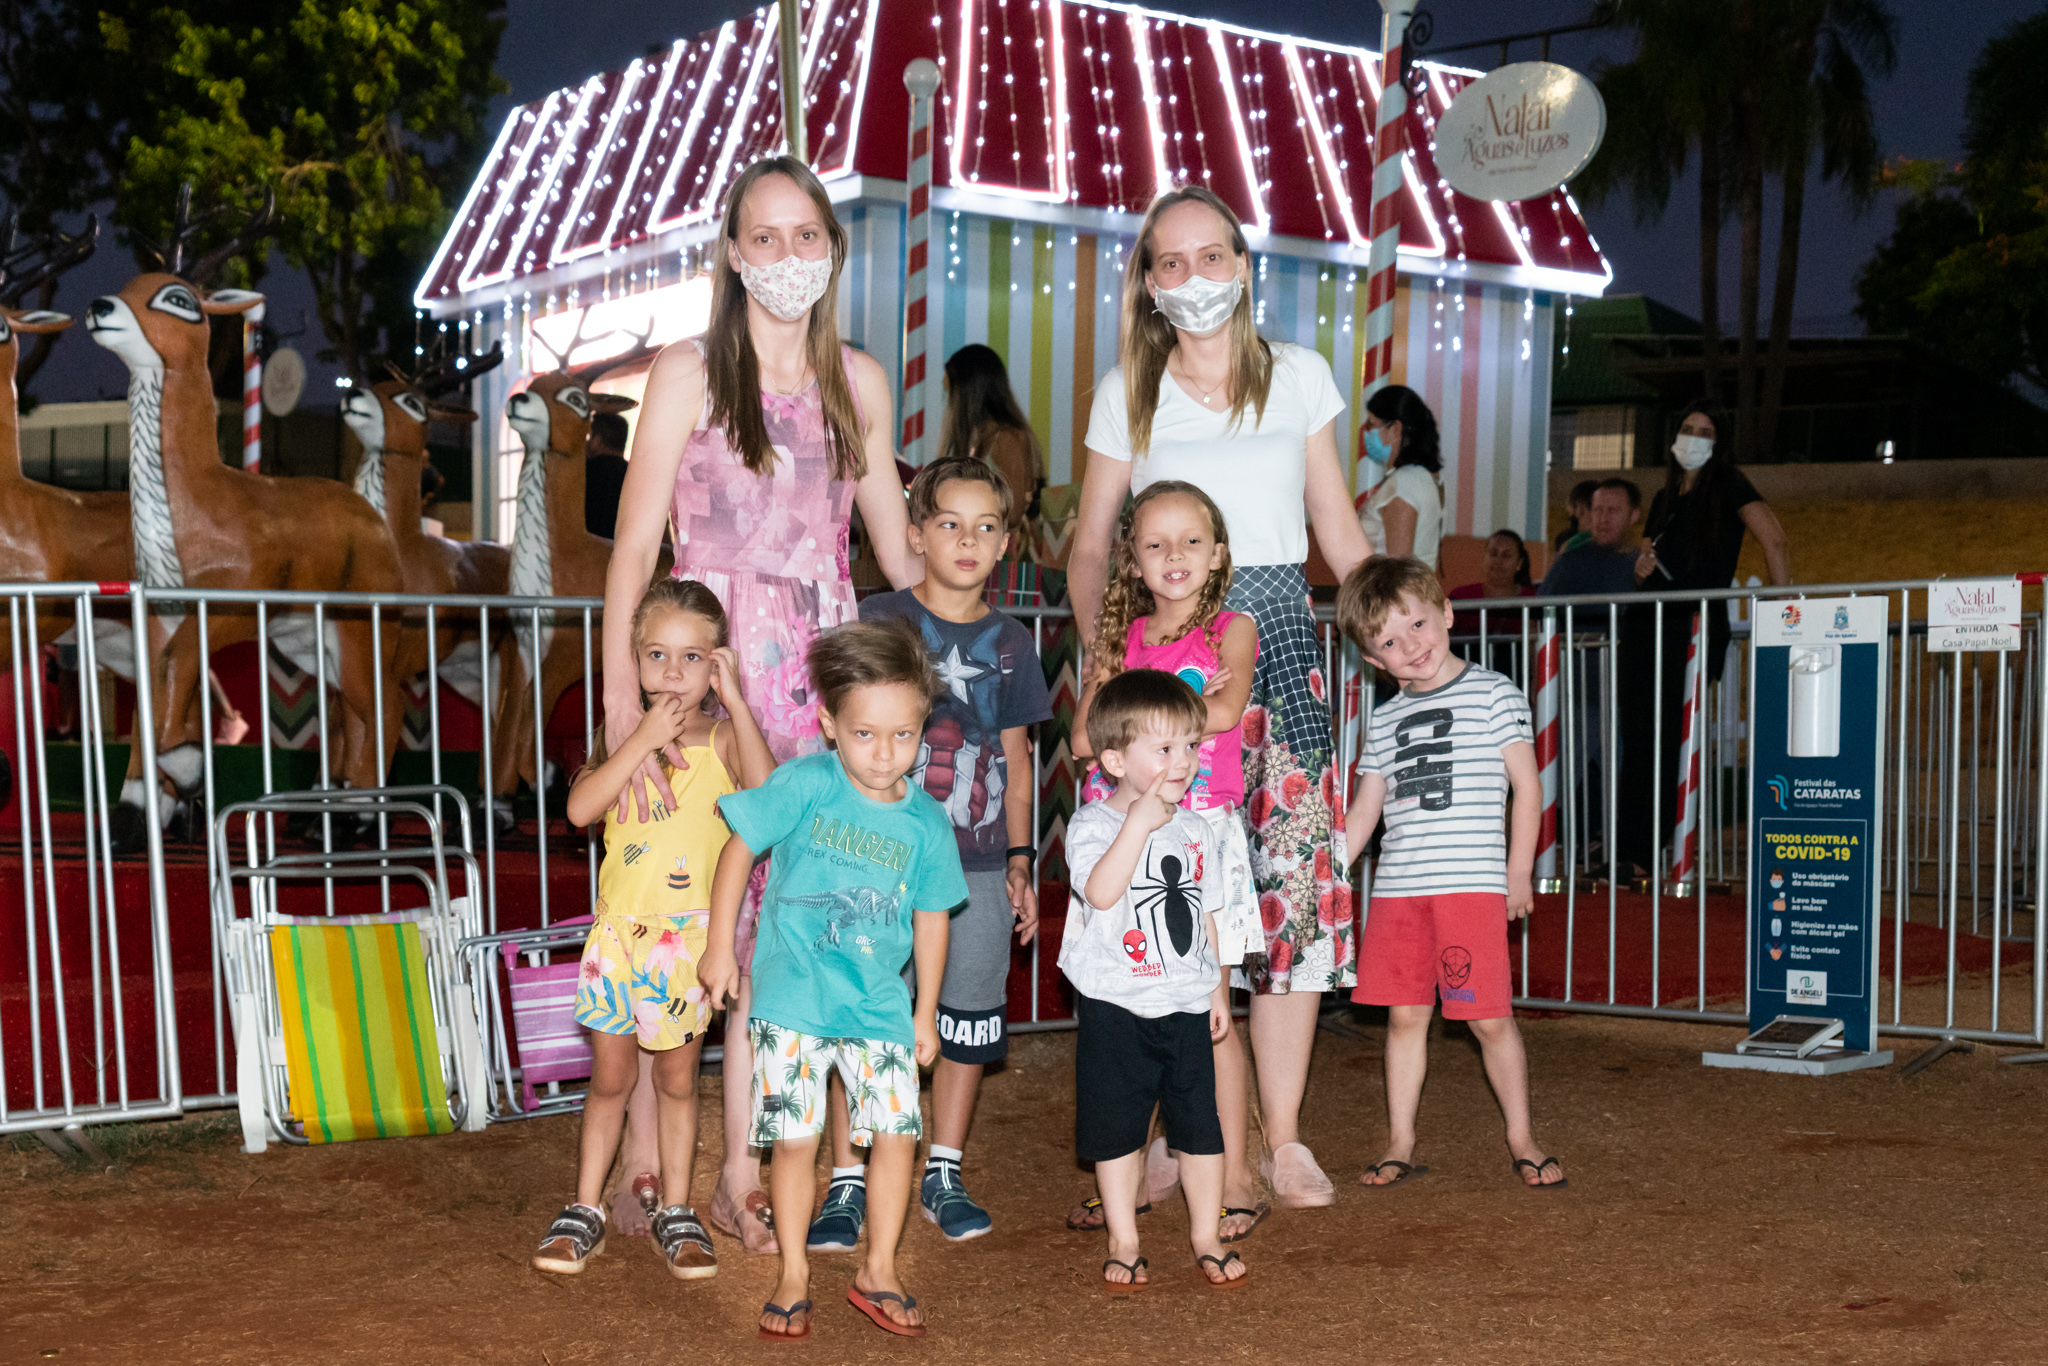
(1453, 948)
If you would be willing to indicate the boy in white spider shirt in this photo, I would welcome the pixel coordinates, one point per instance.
(1140, 949)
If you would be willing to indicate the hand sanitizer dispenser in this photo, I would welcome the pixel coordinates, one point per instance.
(1813, 700)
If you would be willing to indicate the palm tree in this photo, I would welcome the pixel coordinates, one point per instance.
(1753, 85)
(1830, 43)
(1671, 98)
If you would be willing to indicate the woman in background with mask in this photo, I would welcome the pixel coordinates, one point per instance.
(1692, 540)
(758, 438)
(1199, 396)
(1403, 512)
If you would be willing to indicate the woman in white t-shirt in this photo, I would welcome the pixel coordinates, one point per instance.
(1403, 513)
(1198, 395)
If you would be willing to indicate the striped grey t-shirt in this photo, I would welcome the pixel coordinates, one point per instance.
(1441, 753)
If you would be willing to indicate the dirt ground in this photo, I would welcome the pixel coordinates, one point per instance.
(1712, 1216)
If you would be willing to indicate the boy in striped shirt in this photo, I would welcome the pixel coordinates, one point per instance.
(1444, 759)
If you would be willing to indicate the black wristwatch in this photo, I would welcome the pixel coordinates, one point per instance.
(1022, 851)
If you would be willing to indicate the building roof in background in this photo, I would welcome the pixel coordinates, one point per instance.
(1053, 110)
(1587, 377)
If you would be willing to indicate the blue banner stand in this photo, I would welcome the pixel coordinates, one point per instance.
(1817, 689)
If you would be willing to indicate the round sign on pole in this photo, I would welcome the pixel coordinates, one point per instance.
(1520, 131)
(284, 379)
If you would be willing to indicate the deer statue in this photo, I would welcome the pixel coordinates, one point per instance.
(552, 556)
(390, 419)
(48, 534)
(201, 523)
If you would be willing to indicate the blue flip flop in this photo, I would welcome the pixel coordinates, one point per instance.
(787, 1315)
(869, 1302)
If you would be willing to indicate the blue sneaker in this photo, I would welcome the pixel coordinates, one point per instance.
(946, 1203)
(837, 1227)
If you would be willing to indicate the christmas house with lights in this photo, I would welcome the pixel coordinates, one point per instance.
(1056, 123)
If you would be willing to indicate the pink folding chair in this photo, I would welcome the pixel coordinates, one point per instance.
(551, 1046)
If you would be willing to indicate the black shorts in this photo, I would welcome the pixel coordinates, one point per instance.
(1125, 1064)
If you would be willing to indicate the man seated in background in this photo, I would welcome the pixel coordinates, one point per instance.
(1605, 563)
(604, 472)
(1578, 507)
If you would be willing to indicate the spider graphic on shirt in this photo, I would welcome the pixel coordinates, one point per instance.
(1172, 899)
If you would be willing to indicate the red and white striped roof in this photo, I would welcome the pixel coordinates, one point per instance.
(1056, 109)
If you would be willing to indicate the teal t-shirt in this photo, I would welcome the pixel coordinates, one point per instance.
(847, 876)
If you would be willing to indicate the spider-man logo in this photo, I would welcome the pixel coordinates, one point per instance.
(1135, 945)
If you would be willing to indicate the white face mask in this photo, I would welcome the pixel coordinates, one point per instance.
(787, 288)
(1693, 451)
(1200, 305)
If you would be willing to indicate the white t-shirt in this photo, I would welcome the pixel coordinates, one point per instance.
(1416, 487)
(1150, 952)
(1441, 753)
(1257, 472)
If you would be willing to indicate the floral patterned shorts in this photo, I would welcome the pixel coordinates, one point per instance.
(640, 977)
(789, 1084)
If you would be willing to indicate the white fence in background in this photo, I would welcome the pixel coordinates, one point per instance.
(111, 986)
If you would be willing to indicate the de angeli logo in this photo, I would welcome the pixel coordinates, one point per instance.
(1780, 789)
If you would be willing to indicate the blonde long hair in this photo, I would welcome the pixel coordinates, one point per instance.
(1148, 338)
(732, 372)
(1125, 598)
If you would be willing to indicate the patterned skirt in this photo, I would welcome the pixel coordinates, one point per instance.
(773, 622)
(1292, 793)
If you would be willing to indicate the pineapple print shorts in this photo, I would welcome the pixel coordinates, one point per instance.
(789, 1084)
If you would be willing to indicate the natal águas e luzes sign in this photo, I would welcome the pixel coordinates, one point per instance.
(1520, 132)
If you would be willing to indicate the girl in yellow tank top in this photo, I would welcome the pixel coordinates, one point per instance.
(638, 993)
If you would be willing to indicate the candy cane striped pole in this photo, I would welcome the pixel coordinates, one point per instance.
(921, 78)
(1389, 146)
(252, 388)
(1547, 750)
(1686, 837)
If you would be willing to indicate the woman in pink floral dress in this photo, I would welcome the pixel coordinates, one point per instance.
(759, 438)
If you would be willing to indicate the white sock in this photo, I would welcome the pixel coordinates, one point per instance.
(943, 1154)
(853, 1173)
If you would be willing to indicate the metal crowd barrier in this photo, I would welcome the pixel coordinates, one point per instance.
(91, 984)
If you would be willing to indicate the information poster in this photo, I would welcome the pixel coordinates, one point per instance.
(1816, 794)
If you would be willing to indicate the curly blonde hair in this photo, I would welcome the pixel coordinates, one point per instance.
(1125, 598)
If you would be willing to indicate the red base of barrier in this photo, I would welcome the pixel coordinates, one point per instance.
(205, 1044)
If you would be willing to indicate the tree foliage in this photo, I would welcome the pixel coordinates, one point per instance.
(1966, 268)
(365, 117)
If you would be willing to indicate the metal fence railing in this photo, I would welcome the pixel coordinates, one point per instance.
(113, 1003)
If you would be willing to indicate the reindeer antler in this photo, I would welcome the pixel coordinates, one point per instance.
(442, 371)
(253, 230)
(59, 252)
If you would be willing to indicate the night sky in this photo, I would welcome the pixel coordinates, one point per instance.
(1919, 110)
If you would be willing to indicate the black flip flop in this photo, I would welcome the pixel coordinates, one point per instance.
(1257, 1215)
(787, 1315)
(1220, 1263)
(1537, 1167)
(1093, 1204)
(1126, 1287)
(1409, 1171)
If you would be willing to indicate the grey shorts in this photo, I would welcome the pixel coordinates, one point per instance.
(972, 1026)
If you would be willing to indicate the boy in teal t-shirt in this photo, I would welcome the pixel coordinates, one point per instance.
(864, 875)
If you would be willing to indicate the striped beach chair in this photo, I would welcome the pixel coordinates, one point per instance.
(526, 997)
(349, 1026)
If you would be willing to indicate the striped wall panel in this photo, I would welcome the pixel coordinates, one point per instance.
(1046, 299)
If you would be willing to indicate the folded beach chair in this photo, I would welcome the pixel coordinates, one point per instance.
(528, 1017)
(348, 1026)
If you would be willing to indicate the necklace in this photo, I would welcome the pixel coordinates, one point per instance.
(803, 382)
(1206, 396)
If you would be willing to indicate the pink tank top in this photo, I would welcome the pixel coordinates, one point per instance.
(1219, 777)
(790, 523)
